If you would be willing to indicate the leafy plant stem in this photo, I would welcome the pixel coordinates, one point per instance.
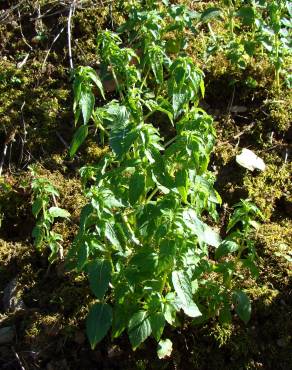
(170, 141)
(151, 195)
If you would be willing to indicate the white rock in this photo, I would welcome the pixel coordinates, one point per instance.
(248, 159)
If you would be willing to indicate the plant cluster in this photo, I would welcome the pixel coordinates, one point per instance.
(145, 239)
(44, 194)
(267, 30)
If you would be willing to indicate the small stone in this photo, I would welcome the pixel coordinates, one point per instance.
(79, 337)
(6, 334)
(238, 109)
(250, 160)
(282, 342)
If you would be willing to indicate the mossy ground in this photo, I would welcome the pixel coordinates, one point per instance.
(36, 105)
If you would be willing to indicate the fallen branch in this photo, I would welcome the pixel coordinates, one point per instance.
(69, 27)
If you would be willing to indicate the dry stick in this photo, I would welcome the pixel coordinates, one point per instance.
(8, 140)
(18, 359)
(47, 55)
(231, 100)
(8, 11)
(23, 37)
(69, 25)
(67, 146)
(24, 133)
(3, 158)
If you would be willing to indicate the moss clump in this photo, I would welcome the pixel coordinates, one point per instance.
(275, 238)
(280, 111)
(222, 333)
(41, 327)
(269, 186)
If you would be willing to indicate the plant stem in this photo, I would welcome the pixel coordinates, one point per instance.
(152, 195)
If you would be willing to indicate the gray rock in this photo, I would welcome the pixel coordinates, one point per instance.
(6, 334)
(11, 299)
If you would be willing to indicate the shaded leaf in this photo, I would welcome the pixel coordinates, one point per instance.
(139, 328)
(157, 321)
(37, 206)
(98, 322)
(225, 248)
(242, 305)
(99, 274)
(136, 187)
(78, 138)
(209, 14)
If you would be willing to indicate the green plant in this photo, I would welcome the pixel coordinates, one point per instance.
(274, 34)
(144, 238)
(44, 194)
(266, 25)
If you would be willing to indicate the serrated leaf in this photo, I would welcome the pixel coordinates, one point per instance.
(38, 235)
(157, 321)
(181, 182)
(225, 248)
(121, 139)
(58, 212)
(136, 187)
(111, 235)
(164, 348)
(99, 274)
(203, 231)
(242, 305)
(98, 322)
(37, 206)
(94, 77)
(86, 103)
(139, 328)
(183, 288)
(78, 138)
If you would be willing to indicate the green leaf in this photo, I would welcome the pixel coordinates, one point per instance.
(86, 103)
(58, 212)
(242, 305)
(98, 322)
(37, 206)
(94, 77)
(247, 14)
(111, 235)
(78, 138)
(209, 14)
(139, 328)
(204, 232)
(225, 315)
(99, 274)
(183, 288)
(38, 235)
(122, 138)
(225, 248)
(136, 187)
(157, 322)
(181, 182)
(164, 348)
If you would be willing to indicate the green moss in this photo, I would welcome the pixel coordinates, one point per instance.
(280, 111)
(269, 186)
(222, 333)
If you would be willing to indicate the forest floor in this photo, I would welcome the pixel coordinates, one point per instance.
(42, 306)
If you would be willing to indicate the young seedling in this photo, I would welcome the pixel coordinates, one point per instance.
(45, 194)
